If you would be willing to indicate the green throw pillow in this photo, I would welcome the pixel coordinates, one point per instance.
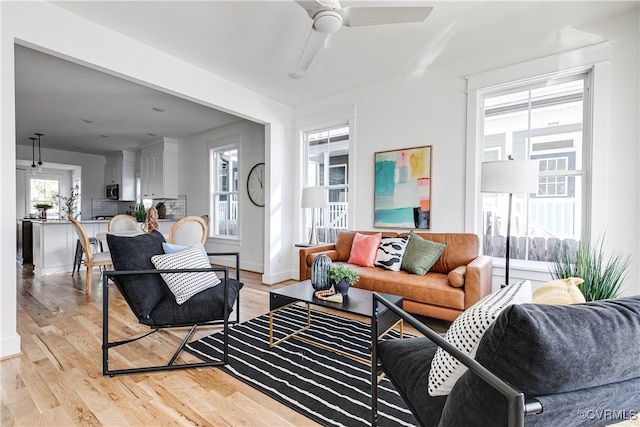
(421, 254)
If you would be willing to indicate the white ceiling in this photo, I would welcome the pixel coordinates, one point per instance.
(256, 44)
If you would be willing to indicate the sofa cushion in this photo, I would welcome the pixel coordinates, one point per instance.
(390, 253)
(364, 249)
(432, 288)
(560, 291)
(421, 254)
(345, 240)
(462, 248)
(466, 332)
(343, 245)
(456, 276)
(550, 349)
(142, 291)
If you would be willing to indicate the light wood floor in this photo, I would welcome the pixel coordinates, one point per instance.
(57, 381)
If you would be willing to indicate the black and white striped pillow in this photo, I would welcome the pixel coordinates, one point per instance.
(466, 332)
(390, 252)
(185, 285)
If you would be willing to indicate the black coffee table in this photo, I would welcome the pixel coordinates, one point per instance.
(359, 302)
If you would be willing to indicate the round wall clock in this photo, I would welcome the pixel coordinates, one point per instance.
(255, 185)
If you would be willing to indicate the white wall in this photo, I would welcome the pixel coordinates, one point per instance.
(45, 27)
(92, 175)
(193, 173)
(428, 107)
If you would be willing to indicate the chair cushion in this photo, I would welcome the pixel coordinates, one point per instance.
(141, 291)
(203, 307)
(466, 332)
(170, 248)
(421, 254)
(185, 285)
(406, 363)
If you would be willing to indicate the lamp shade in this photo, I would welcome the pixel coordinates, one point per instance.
(314, 197)
(509, 176)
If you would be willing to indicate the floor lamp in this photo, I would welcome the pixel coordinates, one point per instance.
(314, 197)
(509, 176)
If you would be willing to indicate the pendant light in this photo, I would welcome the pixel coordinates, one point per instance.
(33, 156)
(39, 154)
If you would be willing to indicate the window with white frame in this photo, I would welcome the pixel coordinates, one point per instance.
(224, 192)
(544, 121)
(43, 191)
(327, 165)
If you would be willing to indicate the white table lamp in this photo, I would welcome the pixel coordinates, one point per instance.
(314, 197)
(509, 176)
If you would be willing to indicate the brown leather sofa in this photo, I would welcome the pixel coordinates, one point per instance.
(457, 280)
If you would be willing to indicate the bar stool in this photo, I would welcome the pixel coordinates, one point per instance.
(77, 259)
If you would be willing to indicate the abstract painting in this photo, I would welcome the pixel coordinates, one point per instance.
(402, 189)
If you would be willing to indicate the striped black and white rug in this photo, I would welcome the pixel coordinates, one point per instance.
(330, 389)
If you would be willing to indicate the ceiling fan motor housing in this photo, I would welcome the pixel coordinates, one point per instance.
(327, 22)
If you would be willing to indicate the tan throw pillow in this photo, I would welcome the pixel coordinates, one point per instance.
(559, 292)
(456, 276)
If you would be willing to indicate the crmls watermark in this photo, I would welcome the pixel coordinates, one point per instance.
(607, 414)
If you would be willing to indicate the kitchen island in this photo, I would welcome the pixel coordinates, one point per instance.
(54, 243)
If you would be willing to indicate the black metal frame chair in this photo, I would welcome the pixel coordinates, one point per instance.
(517, 405)
(225, 322)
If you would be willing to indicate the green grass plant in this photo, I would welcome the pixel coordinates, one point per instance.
(603, 275)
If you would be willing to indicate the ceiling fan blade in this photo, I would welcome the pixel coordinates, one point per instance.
(362, 16)
(315, 42)
(314, 6)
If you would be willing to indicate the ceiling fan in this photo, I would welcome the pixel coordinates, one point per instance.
(328, 17)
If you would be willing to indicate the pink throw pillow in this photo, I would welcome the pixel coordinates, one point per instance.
(364, 249)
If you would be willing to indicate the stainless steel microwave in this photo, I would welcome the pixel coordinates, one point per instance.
(113, 191)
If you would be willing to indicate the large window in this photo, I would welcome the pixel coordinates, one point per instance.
(327, 165)
(224, 196)
(44, 191)
(545, 122)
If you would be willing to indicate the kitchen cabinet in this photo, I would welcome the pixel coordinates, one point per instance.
(159, 171)
(54, 244)
(121, 169)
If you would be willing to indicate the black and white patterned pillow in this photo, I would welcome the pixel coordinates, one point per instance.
(390, 252)
(185, 285)
(466, 332)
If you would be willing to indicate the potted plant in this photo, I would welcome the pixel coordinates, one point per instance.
(141, 213)
(43, 207)
(70, 203)
(342, 277)
(602, 275)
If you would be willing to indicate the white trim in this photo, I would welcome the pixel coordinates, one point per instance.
(311, 123)
(231, 142)
(10, 346)
(593, 57)
(531, 71)
(272, 279)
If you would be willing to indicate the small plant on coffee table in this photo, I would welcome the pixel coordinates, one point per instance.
(341, 274)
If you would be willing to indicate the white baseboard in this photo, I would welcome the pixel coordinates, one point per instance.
(10, 346)
(272, 279)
